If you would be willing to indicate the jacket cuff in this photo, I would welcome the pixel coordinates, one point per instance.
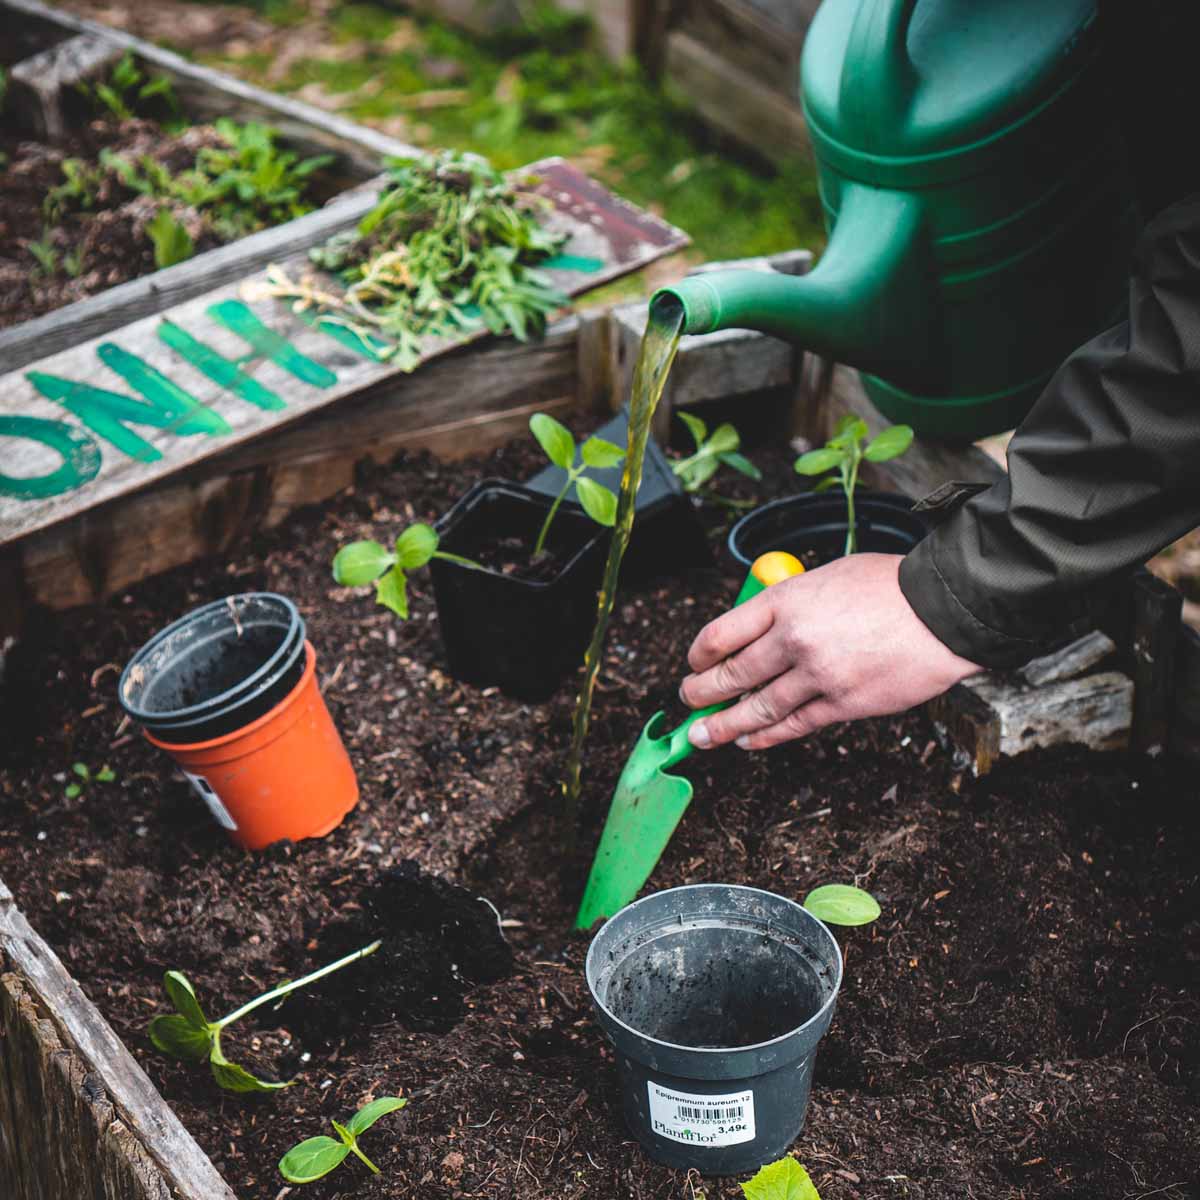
(932, 596)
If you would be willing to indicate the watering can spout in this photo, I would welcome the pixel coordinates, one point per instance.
(867, 303)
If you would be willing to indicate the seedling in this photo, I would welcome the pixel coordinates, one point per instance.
(85, 777)
(127, 88)
(315, 1157)
(845, 453)
(712, 451)
(841, 904)
(172, 242)
(785, 1179)
(43, 250)
(189, 1035)
(598, 502)
(368, 561)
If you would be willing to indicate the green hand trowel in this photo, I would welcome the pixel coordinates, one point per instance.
(649, 802)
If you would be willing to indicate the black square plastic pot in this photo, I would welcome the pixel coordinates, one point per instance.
(667, 536)
(520, 635)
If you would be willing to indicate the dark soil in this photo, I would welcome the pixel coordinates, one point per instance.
(91, 248)
(1024, 1020)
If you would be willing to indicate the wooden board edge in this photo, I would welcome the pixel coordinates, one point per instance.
(88, 1036)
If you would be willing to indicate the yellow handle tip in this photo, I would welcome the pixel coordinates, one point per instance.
(775, 566)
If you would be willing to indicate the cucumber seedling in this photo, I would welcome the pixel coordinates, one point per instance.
(315, 1157)
(841, 904)
(784, 1179)
(720, 448)
(845, 453)
(189, 1035)
(85, 777)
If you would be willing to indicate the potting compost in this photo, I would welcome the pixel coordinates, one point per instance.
(1021, 1021)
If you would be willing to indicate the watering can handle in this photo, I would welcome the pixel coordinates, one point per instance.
(877, 74)
(767, 569)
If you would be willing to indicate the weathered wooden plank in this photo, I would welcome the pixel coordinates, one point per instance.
(991, 716)
(154, 293)
(81, 1114)
(736, 102)
(1185, 717)
(38, 85)
(206, 94)
(1069, 662)
(1157, 610)
(832, 390)
(464, 403)
(222, 396)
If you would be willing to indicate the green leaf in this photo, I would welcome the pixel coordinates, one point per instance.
(237, 1079)
(416, 546)
(827, 484)
(782, 1180)
(696, 427)
(555, 439)
(598, 502)
(596, 452)
(891, 443)
(361, 563)
(347, 1137)
(311, 1159)
(106, 774)
(178, 1037)
(841, 904)
(370, 1113)
(816, 461)
(81, 770)
(724, 439)
(697, 474)
(183, 997)
(73, 790)
(172, 242)
(739, 462)
(392, 592)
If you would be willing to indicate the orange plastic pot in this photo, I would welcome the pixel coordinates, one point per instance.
(285, 775)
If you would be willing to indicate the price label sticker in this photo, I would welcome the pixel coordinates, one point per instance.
(723, 1120)
(204, 790)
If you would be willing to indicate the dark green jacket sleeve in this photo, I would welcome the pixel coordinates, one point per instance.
(1103, 473)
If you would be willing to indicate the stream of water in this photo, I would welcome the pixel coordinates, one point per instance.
(657, 353)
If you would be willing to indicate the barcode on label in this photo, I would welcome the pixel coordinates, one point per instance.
(687, 1112)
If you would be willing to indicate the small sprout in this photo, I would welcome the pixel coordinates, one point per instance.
(172, 242)
(368, 561)
(315, 1157)
(782, 1180)
(844, 452)
(86, 777)
(841, 904)
(598, 502)
(189, 1035)
(43, 250)
(712, 450)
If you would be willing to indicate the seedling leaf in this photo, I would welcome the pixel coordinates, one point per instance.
(106, 774)
(841, 904)
(696, 427)
(891, 443)
(237, 1079)
(183, 997)
(817, 461)
(172, 242)
(597, 452)
(782, 1180)
(312, 1159)
(555, 439)
(697, 474)
(739, 462)
(72, 790)
(724, 439)
(177, 1036)
(370, 1113)
(827, 484)
(416, 546)
(81, 770)
(598, 502)
(360, 563)
(392, 592)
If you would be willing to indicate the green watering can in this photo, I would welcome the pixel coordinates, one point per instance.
(979, 207)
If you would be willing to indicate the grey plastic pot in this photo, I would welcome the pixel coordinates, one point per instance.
(715, 997)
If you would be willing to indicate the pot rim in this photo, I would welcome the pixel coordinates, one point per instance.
(823, 1014)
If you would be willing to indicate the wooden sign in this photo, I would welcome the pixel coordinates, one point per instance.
(112, 415)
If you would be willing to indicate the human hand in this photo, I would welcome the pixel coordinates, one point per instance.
(835, 644)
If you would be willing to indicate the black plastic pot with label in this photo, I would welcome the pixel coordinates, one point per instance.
(715, 997)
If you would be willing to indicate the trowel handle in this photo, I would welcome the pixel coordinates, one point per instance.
(767, 569)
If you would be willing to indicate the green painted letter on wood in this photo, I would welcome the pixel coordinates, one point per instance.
(79, 451)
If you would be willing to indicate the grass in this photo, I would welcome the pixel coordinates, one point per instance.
(523, 96)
